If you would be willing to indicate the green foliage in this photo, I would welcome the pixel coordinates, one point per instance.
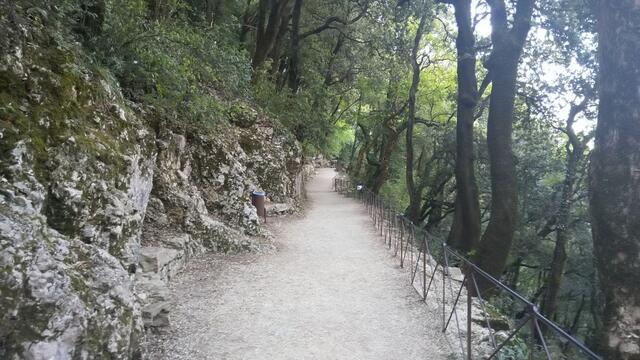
(302, 113)
(174, 62)
(395, 193)
(517, 349)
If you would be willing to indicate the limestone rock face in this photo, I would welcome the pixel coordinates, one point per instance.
(59, 297)
(274, 209)
(102, 203)
(163, 261)
(98, 209)
(75, 176)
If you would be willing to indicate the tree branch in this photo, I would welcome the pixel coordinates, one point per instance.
(335, 19)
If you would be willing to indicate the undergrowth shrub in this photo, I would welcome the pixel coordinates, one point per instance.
(171, 60)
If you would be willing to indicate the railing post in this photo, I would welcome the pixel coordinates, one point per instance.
(402, 244)
(424, 269)
(532, 341)
(445, 270)
(469, 312)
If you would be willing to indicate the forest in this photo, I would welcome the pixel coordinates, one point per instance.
(508, 129)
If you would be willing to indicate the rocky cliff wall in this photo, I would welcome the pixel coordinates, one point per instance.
(98, 209)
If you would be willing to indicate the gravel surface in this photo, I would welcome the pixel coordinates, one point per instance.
(331, 291)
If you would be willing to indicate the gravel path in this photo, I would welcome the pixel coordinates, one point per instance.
(331, 291)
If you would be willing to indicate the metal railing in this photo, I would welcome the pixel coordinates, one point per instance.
(427, 260)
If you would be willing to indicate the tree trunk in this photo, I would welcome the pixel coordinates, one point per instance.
(554, 278)
(260, 42)
(293, 78)
(435, 213)
(574, 156)
(495, 245)
(436, 197)
(276, 50)
(91, 18)
(391, 138)
(362, 153)
(209, 10)
(213, 10)
(390, 135)
(515, 277)
(615, 178)
(267, 29)
(465, 229)
(158, 9)
(247, 22)
(413, 211)
(328, 76)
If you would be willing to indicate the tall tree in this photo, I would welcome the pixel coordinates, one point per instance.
(615, 177)
(502, 65)
(271, 15)
(390, 132)
(293, 78)
(465, 229)
(413, 212)
(575, 154)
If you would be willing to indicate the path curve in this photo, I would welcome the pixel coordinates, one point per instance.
(331, 291)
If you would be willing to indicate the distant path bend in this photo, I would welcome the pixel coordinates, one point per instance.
(332, 291)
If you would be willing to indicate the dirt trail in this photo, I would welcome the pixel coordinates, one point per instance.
(331, 291)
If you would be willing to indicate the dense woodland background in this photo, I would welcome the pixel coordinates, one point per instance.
(476, 119)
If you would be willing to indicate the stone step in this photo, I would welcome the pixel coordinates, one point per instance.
(155, 298)
(156, 315)
(160, 260)
(275, 209)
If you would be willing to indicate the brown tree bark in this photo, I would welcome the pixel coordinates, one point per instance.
(465, 229)
(293, 77)
(413, 211)
(390, 133)
(268, 28)
(213, 11)
(575, 149)
(493, 249)
(362, 153)
(328, 75)
(434, 210)
(248, 21)
(276, 50)
(390, 140)
(615, 178)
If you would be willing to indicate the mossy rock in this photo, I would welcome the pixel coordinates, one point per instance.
(242, 115)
